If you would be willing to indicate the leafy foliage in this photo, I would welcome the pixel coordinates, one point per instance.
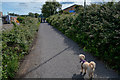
(34, 15)
(15, 44)
(97, 32)
(31, 14)
(50, 8)
(21, 19)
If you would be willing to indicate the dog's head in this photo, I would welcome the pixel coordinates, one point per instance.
(82, 57)
(92, 65)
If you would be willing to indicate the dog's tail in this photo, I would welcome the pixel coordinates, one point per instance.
(92, 65)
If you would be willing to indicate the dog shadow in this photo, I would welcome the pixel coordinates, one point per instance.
(80, 77)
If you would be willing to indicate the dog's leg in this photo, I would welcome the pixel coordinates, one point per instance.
(85, 70)
(92, 74)
(81, 69)
(89, 75)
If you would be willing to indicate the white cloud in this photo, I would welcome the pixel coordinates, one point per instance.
(15, 0)
(58, 0)
(104, 0)
(0, 6)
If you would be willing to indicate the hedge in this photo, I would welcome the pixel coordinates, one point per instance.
(98, 32)
(16, 44)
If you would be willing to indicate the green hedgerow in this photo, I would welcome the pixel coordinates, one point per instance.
(16, 43)
(97, 32)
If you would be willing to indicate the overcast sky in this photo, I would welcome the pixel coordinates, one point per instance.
(57, 0)
(26, 6)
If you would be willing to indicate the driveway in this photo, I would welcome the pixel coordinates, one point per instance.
(56, 56)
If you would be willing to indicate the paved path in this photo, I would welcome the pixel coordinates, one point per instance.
(56, 56)
(7, 27)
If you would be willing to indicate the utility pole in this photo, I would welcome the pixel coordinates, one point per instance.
(84, 9)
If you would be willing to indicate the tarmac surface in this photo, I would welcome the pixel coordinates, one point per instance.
(7, 27)
(56, 56)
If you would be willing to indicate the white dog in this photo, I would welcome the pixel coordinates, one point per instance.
(86, 66)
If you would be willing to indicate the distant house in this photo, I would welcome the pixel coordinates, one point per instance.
(70, 9)
(1, 14)
(73, 8)
(8, 19)
(13, 19)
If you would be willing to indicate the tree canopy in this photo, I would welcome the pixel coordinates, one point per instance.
(31, 14)
(50, 8)
(36, 15)
(13, 14)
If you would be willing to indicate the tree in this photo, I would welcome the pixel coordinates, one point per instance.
(31, 14)
(21, 19)
(50, 8)
(79, 8)
(13, 14)
(60, 12)
(36, 15)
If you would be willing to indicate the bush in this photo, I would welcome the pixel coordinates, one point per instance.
(97, 31)
(21, 19)
(15, 44)
(66, 12)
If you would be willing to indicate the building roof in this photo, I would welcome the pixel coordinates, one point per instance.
(70, 6)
